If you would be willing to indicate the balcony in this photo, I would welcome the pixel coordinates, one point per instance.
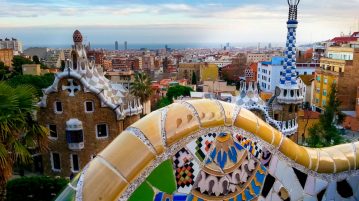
(76, 146)
(74, 134)
(75, 139)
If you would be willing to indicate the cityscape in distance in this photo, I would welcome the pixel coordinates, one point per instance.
(179, 100)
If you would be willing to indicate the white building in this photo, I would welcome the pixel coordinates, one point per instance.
(269, 72)
(13, 44)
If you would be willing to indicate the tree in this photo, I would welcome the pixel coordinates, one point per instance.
(173, 93)
(5, 73)
(38, 82)
(163, 102)
(35, 188)
(63, 65)
(141, 87)
(194, 78)
(36, 59)
(17, 63)
(325, 133)
(306, 107)
(19, 130)
(177, 91)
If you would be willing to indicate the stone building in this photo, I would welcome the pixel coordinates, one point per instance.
(203, 71)
(6, 56)
(84, 112)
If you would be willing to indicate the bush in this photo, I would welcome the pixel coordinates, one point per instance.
(38, 82)
(40, 188)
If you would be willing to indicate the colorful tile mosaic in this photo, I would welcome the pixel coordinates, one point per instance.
(201, 146)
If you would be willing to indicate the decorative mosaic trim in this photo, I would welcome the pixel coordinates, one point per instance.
(221, 109)
(163, 121)
(80, 184)
(237, 110)
(193, 110)
(138, 133)
(355, 153)
(234, 130)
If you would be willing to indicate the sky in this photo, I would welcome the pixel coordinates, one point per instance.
(47, 22)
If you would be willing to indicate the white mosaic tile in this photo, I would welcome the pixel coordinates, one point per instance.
(354, 182)
(320, 185)
(281, 170)
(310, 186)
(309, 198)
(273, 165)
(331, 192)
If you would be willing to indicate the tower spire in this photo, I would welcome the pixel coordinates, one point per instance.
(290, 92)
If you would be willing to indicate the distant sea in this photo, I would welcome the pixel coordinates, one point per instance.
(150, 46)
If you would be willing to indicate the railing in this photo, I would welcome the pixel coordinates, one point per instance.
(76, 146)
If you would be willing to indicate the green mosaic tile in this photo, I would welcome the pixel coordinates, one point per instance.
(163, 178)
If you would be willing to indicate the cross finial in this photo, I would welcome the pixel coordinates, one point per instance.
(72, 87)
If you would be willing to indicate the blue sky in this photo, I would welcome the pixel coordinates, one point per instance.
(39, 22)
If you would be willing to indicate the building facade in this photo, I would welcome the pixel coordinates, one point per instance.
(13, 44)
(84, 112)
(6, 56)
(203, 71)
(340, 66)
(269, 73)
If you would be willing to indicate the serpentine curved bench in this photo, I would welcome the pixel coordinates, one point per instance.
(212, 150)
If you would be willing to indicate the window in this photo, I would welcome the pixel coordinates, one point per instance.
(89, 106)
(75, 167)
(324, 102)
(324, 92)
(74, 136)
(53, 131)
(316, 100)
(55, 161)
(325, 81)
(102, 130)
(58, 107)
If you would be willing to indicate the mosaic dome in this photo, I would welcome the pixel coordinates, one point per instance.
(211, 150)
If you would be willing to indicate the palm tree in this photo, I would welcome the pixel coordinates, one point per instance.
(19, 131)
(141, 87)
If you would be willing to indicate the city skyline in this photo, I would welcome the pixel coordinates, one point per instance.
(45, 22)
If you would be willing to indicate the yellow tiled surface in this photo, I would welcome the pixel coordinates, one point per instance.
(101, 183)
(129, 155)
(150, 125)
(180, 122)
(209, 113)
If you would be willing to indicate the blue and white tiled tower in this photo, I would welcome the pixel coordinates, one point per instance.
(288, 96)
(290, 92)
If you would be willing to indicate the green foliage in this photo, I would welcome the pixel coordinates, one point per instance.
(141, 87)
(4, 72)
(18, 128)
(35, 59)
(34, 188)
(177, 91)
(173, 93)
(194, 78)
(163, 102)
(38, 82)
(17, 63)
(324, 133)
